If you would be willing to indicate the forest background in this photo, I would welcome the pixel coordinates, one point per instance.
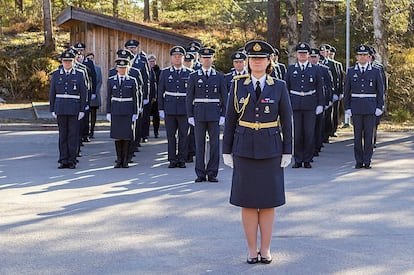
(30, 42)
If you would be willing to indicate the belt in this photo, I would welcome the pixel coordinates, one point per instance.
(175, 94)
(207, 100)
(311, 92)
(68, 96)
(364, 95)
(121, 99)
(258, 125)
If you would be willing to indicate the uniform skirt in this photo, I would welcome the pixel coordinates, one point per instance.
(257, 183)
(121, 127)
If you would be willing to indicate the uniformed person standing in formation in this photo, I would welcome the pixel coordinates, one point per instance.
(257, 148)
(95, 98)
(239, 67)
(140, 62)
(374, 62)
(364, 101)
(67, 99)
(206, 105)
(154, 77)
(172, 107)
(194, 47)
(279, 69)
(305, 87)
(190, 146)
(91, 78)
(314, 58)
(122, 110)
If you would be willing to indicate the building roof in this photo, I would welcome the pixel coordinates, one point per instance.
(71, 13)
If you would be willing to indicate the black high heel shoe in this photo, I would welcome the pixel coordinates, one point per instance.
(264, 260)
(253, 260)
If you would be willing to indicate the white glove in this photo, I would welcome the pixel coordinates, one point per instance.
(228, 160)
(81, 115)
(134, 117)
(319, 110)
(87, 107)
(93, 96)
(54, 115)
(222, 120)
(348, 112)
(146, 101)
(335, 98)
(378, 112)
(108, 117)
(191, 121)
(286, 159)
(140, 110)
(161, 113)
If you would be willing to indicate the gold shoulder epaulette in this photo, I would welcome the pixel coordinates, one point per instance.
(240, 76)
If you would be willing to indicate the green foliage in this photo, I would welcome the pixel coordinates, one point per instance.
(25, 69)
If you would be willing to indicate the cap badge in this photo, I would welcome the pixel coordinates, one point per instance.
(177, 49)
(302, 45)
(237, 55)
(257, 47)
(206, 51)
(362, 48)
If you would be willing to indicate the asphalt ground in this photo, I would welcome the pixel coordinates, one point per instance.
(149, 219)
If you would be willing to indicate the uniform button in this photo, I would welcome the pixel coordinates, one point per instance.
(257, 115)
(257, 109)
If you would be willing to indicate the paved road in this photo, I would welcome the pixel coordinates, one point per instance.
(149, 219)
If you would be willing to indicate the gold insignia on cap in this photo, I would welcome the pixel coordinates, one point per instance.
(237, 55)
(67, 55)
(206, 51)
(257, 47)
(192, 48)
(362, 47)
(123, 52)
(177, 49)
(302, 45)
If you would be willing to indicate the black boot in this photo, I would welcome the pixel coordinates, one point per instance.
(118, 148)
(125, 150)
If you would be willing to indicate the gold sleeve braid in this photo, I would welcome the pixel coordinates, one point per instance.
(239, 110)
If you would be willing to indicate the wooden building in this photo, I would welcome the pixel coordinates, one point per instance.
(103, 35)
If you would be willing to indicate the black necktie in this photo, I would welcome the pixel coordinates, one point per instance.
(303, 67)
(178, 72)
(121, 80)
(258, 90)
(363, 70)
(207, 74)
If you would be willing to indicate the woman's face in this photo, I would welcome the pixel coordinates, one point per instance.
(258, 64)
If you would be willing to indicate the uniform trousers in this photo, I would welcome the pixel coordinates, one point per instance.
(155, 117)
(68, 138)
(304, 130)
(213, 130)
(328, 125)
(364, 126)
(335, 117)
(146, 120)
(174, 123)
(319, 131)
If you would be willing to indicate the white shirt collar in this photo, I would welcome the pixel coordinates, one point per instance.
(262, 81)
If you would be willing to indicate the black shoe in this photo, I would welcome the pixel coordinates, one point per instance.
(212, 179)
(334, 135)
(346, 125)
(367, 166)
(252, 260)
(264, 260)
(172, 165)
(200, 179)
(86, 139)
(144, 139)
(156, 135)
(91, 135)
(63, 166)
(307, 165)
(71, 166)
(359, 166)
(181, 165)
(297, 165)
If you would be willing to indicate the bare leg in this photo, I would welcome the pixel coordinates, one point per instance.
(250, 219)
(266, 219)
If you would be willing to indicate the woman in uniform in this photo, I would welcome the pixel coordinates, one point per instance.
(122, 108)
(257, 142)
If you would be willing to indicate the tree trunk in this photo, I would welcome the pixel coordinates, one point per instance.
(147, 11)
(273, 23)
(410, 28)
(115, 10)
(380, 32)
(313, 22)
(292, 29)
(48, 27)
(19, 5)
(155, 10)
